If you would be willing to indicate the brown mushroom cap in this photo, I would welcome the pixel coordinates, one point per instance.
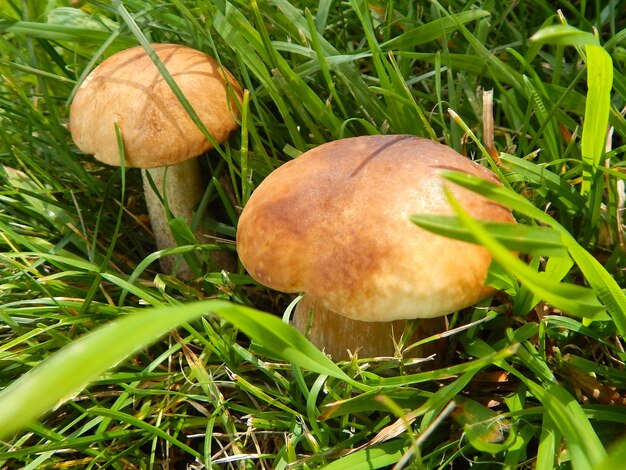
(128, 89)
(334, 223)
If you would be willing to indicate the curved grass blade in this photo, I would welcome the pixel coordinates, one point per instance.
(572, 298)
(432, 30)
(535, 240)
(563, 35)
(167, 76)
(69, 370)
(605, 286)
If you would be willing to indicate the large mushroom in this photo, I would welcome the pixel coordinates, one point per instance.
(334, 224)
(158, 134)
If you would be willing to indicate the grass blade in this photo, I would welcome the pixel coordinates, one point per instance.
(524, 238)
(377, 456)
(599, 86)
(605, 286)
(72, 368)
(433, 30)
(597, 107)
(571, 298)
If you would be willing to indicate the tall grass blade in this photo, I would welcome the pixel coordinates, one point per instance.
(604, 285)
(572, 298)
(599, 86)
(597, 108)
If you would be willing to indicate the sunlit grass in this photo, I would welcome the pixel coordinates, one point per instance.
(533, 378)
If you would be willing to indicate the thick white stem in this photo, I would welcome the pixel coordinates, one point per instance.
(183, 187)
(336, 334)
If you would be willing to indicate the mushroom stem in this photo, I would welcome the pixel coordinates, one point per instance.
(182, 186)
(338, 334)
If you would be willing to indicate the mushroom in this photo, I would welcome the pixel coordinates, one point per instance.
(334, 224)
(158, 134)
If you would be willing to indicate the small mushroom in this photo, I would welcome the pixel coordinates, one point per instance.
(334, 223)
(158, 134)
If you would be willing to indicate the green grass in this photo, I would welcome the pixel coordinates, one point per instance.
(107, 363)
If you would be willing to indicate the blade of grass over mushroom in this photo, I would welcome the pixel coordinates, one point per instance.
(572, 298)
(605, 286)
(502, 195)
(524, 238)
(167, 76)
